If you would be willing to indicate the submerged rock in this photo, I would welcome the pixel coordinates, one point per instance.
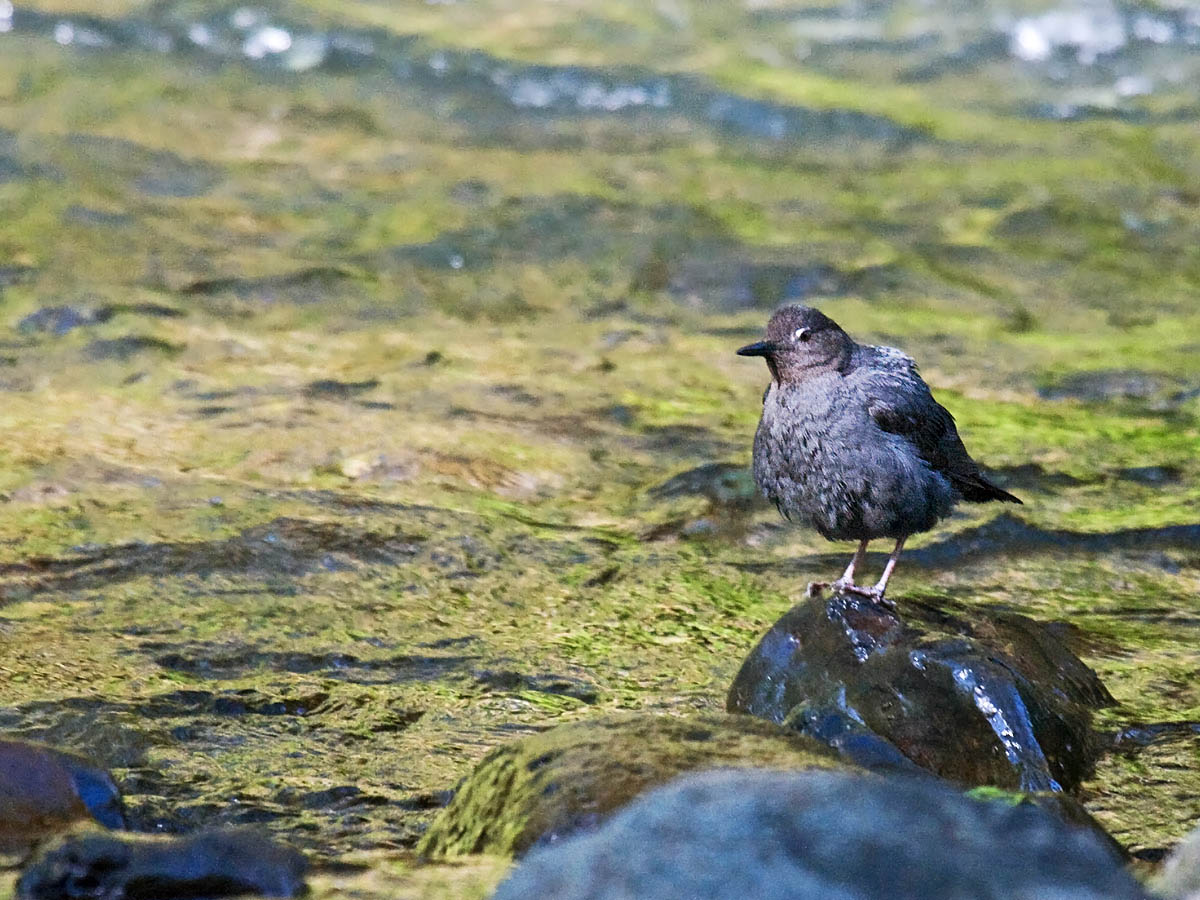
(125, 348)
(59, 320)
(570, 778)
(209, 864)
(43, 791)
(822, 835)
(724, 485)
(995, 699)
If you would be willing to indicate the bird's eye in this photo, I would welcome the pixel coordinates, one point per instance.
(802, 334)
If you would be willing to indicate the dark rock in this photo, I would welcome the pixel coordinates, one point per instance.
(1112, 385)
(722, 484)
(125, 348)
(1008, 535)
(1136, 737)
(10, 275)
(850, 738)
(310, 285)
(77, 214)
(818, 836)
(283, 546)
(560, 685)
(995, 698)
(1151, 475)
(619, 413)
(208, 864)
(59, 320)
(331, 389)
(570, 778)
(43, 791)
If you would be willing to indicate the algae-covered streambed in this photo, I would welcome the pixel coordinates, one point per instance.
(369, 397)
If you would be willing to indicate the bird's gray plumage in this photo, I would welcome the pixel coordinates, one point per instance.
(851, 440)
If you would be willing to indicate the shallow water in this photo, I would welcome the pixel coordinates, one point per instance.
(369, 395)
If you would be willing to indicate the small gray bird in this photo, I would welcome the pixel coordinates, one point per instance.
(852, 441)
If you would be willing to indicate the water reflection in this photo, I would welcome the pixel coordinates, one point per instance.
(1085, 56)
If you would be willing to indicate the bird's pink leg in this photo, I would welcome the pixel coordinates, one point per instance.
(875, 593)
(887, 573)
(845, 584)
(847, 579)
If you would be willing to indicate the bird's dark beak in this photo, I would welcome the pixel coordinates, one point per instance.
(762, 348)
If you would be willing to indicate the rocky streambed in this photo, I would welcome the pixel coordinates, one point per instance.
(370, 410)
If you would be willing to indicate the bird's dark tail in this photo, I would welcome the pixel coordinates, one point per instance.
(978, 489)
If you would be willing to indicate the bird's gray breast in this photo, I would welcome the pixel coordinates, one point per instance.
(821, 458)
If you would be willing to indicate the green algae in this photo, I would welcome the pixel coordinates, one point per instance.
(572, 777)
(528, 402)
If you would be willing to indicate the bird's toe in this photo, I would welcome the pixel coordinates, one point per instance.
(874, 594)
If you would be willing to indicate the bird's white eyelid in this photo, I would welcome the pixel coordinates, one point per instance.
(799, 334)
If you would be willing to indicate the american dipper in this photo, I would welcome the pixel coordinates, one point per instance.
(852, 441)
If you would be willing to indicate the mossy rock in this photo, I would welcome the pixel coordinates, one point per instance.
(544, 787)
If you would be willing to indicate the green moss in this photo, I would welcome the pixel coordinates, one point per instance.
(550, 784)
(527, 403)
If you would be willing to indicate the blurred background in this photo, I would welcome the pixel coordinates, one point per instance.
(350, 350)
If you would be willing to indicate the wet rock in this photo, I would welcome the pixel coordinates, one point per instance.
(332, 389)
(118, 737)
(853, 740)
(544, 787)
(59, 320)
(209, 864)
(77, 214)
(125, 348)
(820, 835)
(560, 685)
(1115, 385)
(10, 274)
(156, 173)
(311, 285)
(1155, 476)
(1132, 738)
(243, 702)
(722, 484)
(43, 791)
(722, 276)
(995, 698)
(211, 660)
(1007, 534)
(1180, 876)
(283, 546)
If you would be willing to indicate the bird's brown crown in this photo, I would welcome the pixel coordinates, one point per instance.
(788, 321)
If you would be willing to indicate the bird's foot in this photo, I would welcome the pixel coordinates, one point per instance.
(874, 594)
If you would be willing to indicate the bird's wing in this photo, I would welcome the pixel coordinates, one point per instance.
(900, 402)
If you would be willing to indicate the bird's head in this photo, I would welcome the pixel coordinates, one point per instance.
(801, 342)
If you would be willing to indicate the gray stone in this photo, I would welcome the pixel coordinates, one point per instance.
(742, 834)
